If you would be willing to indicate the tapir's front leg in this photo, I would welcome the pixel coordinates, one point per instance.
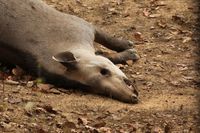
(121, 57)
(111, 42)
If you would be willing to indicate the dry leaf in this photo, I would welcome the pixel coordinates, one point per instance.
(99, 124)
(138, 36)
(45, 87)
(129, 62)
(178, 19)
(14, 100)
(69, 124)
(186, 39)
(120, 66)
(161, 3)
(146, 13)
(161, 24)
(105, 129)
(49, 109)
(82, 121)
(11, 82)
(154, 15)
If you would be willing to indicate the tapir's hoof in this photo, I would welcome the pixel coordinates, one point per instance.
(131, 44)
(130, 54)
(124, 45)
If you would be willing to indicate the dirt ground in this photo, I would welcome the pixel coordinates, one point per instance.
(166, 38)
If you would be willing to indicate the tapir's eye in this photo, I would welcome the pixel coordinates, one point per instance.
(104, 71)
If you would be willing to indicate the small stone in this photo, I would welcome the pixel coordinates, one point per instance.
(152, 28)
(30, 84)
(137, 73)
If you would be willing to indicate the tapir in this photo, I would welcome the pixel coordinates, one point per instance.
(59, 48)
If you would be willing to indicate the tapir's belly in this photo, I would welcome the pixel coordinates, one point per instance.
(8, 56)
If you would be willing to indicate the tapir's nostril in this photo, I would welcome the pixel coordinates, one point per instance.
(128, 82)
(134, 99)
(135, 92)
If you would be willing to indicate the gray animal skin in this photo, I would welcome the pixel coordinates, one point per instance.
(59, 47)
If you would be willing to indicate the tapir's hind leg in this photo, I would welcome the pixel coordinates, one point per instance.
(121, 57)
(112, 43)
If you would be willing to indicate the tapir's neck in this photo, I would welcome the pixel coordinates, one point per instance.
(83, 53)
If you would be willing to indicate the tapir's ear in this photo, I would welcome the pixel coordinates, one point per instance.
(66, 58)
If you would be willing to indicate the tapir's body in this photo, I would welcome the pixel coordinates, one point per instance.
(48, 43)
(56, 32)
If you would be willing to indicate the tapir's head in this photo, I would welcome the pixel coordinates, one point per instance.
(100, 74)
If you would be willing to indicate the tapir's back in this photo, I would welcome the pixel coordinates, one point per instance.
(31, 24)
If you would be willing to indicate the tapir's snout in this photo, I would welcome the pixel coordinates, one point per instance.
(117, 88)
(121, 89)
(134, 99)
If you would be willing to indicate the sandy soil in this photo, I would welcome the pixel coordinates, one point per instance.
(165, 33)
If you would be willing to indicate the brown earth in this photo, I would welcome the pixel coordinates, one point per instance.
(166, 38)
